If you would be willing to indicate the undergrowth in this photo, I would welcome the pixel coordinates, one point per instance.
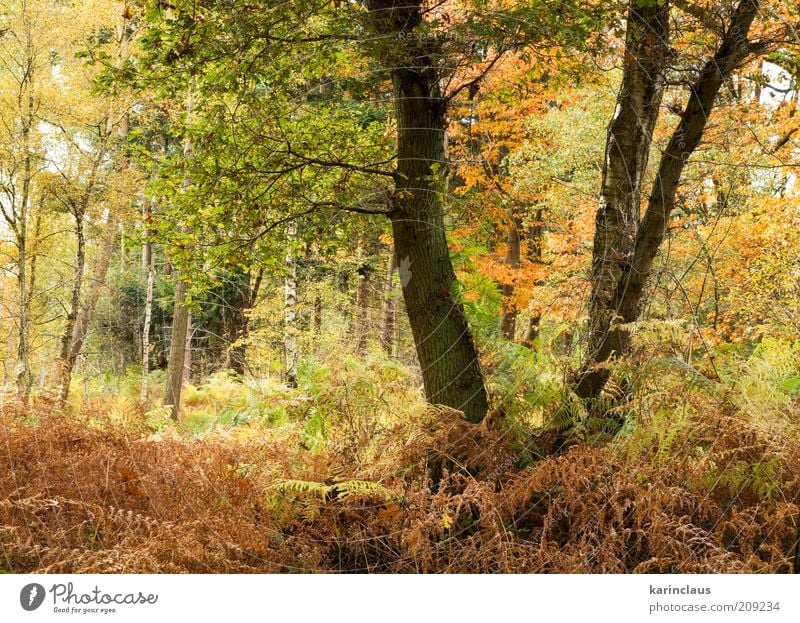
(351, 472)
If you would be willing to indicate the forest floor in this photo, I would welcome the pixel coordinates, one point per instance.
(696, 485)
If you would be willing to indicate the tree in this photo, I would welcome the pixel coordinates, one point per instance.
(181, 315)
(625, 245)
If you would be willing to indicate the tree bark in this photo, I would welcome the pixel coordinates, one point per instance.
(23, 373)
(148, 309)
(389, 306)
(78, 316)
(177, 347)
(362, 307)
(181, 311)
(508, 322)
(447, 354)
(622, 292)
(243, 299)
(187, 349)
(318, 313)
(64, 366)
(533, 252)
(627, 149)
(290, 309)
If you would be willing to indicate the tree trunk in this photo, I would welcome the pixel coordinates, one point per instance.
(508, 322)
(451, 371)
(80, 327)
(533, 252)
(634, 271)
(627, 149)
(181, 312)
(23, 348)
(23, 377)
(187, 350)
(243, 299)
(290, 308)
(64, 366)
(362, 308)
(148, 313)
(318, 313)
(177, 347)
(389, 306)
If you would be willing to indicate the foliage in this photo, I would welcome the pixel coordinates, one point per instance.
(440, 494)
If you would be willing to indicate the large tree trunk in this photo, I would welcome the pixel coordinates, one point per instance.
(508, 322)
(624, 304)
(627, 149)
(447, 354)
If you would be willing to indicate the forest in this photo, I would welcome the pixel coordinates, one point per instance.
(384, 286)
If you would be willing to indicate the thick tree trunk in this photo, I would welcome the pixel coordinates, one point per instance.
(389, 306)
(290, 309)
(447, 354)
(627, 149)
(624, 304)
(508, 322)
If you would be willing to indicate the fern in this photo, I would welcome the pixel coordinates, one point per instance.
(338, 490)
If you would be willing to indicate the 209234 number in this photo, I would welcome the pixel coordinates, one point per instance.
(757, 606)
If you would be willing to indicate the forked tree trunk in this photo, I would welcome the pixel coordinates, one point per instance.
(627, 149)
(624, 294)
(79, 314)
(451, 370)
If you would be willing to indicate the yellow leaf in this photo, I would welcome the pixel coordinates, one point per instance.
(447, 521)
